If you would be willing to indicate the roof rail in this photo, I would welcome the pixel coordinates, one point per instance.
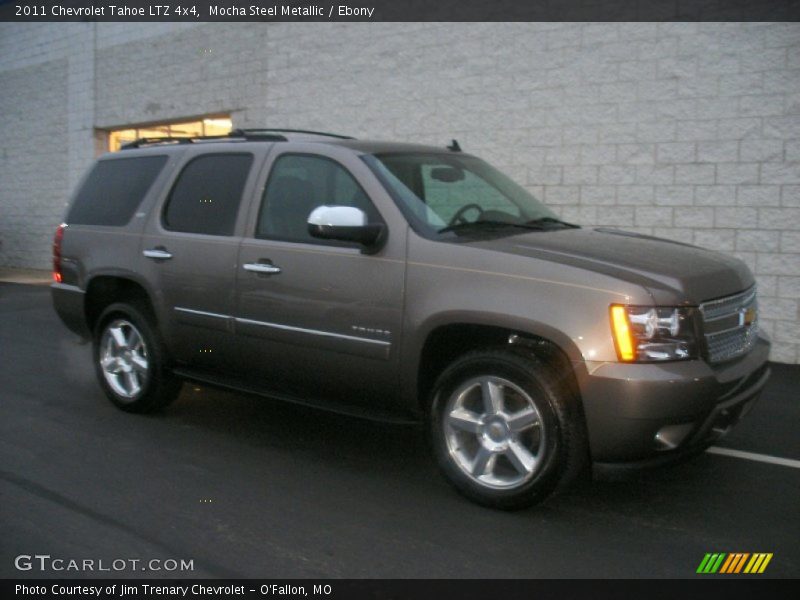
(262, 131)
(253, 135)
(235, 134)
(146, 141)
(258, 135)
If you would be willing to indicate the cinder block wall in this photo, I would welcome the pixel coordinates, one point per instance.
(33, 160)
(687, 131)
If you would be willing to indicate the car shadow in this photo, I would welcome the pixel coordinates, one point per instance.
(386, 450)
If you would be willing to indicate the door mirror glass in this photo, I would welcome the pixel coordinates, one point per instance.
(343, 223)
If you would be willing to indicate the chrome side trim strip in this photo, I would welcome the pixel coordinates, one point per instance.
(202, 313)
(284, 327)
(313, 331)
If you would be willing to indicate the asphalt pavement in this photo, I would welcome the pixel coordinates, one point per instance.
(249, 487)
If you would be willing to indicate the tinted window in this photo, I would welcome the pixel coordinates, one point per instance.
(207, 194)
(440, 190)
(448, 189)
(297, 185)
(114, 189)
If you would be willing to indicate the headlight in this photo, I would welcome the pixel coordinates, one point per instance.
(653, 333)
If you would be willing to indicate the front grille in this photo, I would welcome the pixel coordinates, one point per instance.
(730, 325)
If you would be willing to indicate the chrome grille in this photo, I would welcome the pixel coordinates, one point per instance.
(727, 330)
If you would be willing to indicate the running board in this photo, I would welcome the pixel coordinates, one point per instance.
(340, 408)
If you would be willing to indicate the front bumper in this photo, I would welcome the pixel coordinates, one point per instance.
(649, 414)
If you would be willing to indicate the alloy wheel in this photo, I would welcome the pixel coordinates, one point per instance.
(494, 432)
(123, 358)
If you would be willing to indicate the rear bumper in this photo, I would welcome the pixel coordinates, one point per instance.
(68, 301)
(641, 415)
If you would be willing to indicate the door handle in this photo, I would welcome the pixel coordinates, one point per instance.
(157, 253)
(262, 268)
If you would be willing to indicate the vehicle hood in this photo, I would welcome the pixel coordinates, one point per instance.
(672, 272)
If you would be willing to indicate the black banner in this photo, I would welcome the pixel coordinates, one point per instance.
(399, 10)
(392, 589)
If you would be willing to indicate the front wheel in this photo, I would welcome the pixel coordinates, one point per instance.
(505, 429)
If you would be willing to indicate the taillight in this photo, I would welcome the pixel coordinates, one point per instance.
(57, 277)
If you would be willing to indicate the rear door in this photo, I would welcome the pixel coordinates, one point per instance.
(190, 248)
(326, 323)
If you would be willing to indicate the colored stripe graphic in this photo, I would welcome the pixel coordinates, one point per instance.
(758, 563)
(703, 563)
(728, 562)
(734, 562)
(741, 562)
(711, 563)
(764, 564)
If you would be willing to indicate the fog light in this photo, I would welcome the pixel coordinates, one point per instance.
(672, 436)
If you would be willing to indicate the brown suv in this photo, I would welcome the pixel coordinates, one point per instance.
(405, 282)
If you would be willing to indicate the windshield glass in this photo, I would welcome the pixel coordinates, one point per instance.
(448, 194)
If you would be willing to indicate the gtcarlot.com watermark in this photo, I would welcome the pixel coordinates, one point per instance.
(45, 563)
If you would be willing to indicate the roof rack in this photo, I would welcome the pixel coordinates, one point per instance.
(153, 140)
(255, 135)
(260, 131)
(236, 134)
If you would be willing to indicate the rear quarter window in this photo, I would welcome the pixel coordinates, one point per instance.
(114, 190)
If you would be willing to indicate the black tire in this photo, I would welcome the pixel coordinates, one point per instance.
(559, 440)
(158, 386)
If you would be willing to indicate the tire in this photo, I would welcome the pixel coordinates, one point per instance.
(131, 361)
(505, 429)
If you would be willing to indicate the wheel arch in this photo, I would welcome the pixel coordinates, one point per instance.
(104, 289)
(443, 339)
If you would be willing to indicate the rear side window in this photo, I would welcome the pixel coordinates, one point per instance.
(114, 189)
(206, 196)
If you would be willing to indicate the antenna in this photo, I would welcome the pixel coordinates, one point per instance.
(454, 147)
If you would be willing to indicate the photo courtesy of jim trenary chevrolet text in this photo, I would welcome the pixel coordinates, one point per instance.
(395, 299)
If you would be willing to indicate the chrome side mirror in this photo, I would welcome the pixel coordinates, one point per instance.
(344, 223)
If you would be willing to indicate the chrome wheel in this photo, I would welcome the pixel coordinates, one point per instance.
(494, 432)
(123, 358)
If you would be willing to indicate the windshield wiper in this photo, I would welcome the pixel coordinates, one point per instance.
(540, 224)
(551, 220)
(480, 224)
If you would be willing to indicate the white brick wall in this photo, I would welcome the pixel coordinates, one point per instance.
(689, 131)
(33, 161)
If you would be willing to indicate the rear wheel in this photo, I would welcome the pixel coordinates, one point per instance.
(130, 360)
(505, 429)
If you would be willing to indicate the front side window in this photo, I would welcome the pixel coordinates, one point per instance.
(114, 189)
(297, 185)
(206, 197)
(446, 194)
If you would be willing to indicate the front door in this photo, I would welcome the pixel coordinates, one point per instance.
(316, 318)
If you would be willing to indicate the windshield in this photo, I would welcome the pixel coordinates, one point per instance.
(452, 194)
